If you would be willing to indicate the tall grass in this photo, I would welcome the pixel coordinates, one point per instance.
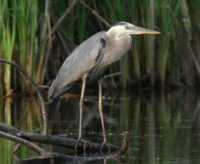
(25, 26)
(7, 38)
(19, 40)
(166, 20)
(27, 23)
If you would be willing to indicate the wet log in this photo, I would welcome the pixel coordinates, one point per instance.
(60, 159)
(83, 146)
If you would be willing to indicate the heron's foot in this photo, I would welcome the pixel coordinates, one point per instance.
(103, 145)
(79, 142)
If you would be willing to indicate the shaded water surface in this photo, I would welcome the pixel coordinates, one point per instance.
(163, 129)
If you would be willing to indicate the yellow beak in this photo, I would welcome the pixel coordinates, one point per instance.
(134, 30)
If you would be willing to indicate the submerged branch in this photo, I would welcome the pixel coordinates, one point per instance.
(34, 85)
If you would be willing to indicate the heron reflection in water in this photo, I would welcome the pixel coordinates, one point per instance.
(90, 59)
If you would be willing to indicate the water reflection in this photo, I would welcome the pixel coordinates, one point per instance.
(163, 129)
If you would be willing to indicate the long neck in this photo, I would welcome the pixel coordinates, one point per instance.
(117, 47)
(117, 33)
(123, 40)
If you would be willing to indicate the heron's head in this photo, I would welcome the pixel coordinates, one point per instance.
(122, 28)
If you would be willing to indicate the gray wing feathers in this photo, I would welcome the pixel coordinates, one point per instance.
(78, 63)
(97, 67)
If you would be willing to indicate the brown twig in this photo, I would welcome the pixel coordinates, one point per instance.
(67, 11)
(45, 32)
(42, 102)
(96, 14)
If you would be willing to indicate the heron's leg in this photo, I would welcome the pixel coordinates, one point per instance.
(81, 108)
(81, 105)
(101, 111)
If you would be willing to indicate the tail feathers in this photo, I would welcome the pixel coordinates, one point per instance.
(52, 91)
(55, 92)
(51, 96)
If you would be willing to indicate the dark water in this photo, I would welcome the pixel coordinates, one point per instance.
(163, 129)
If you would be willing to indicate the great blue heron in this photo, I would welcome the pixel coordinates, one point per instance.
(90, 59)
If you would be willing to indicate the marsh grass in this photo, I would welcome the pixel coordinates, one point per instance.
(25, 26)
(166, 20)
(7, 39)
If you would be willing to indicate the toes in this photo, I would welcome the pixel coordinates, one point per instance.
(79, 141)
(103, 145)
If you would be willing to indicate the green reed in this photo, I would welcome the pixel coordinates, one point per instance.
(165, 19)
(26, 26)
(18, 36)
(7, 39)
